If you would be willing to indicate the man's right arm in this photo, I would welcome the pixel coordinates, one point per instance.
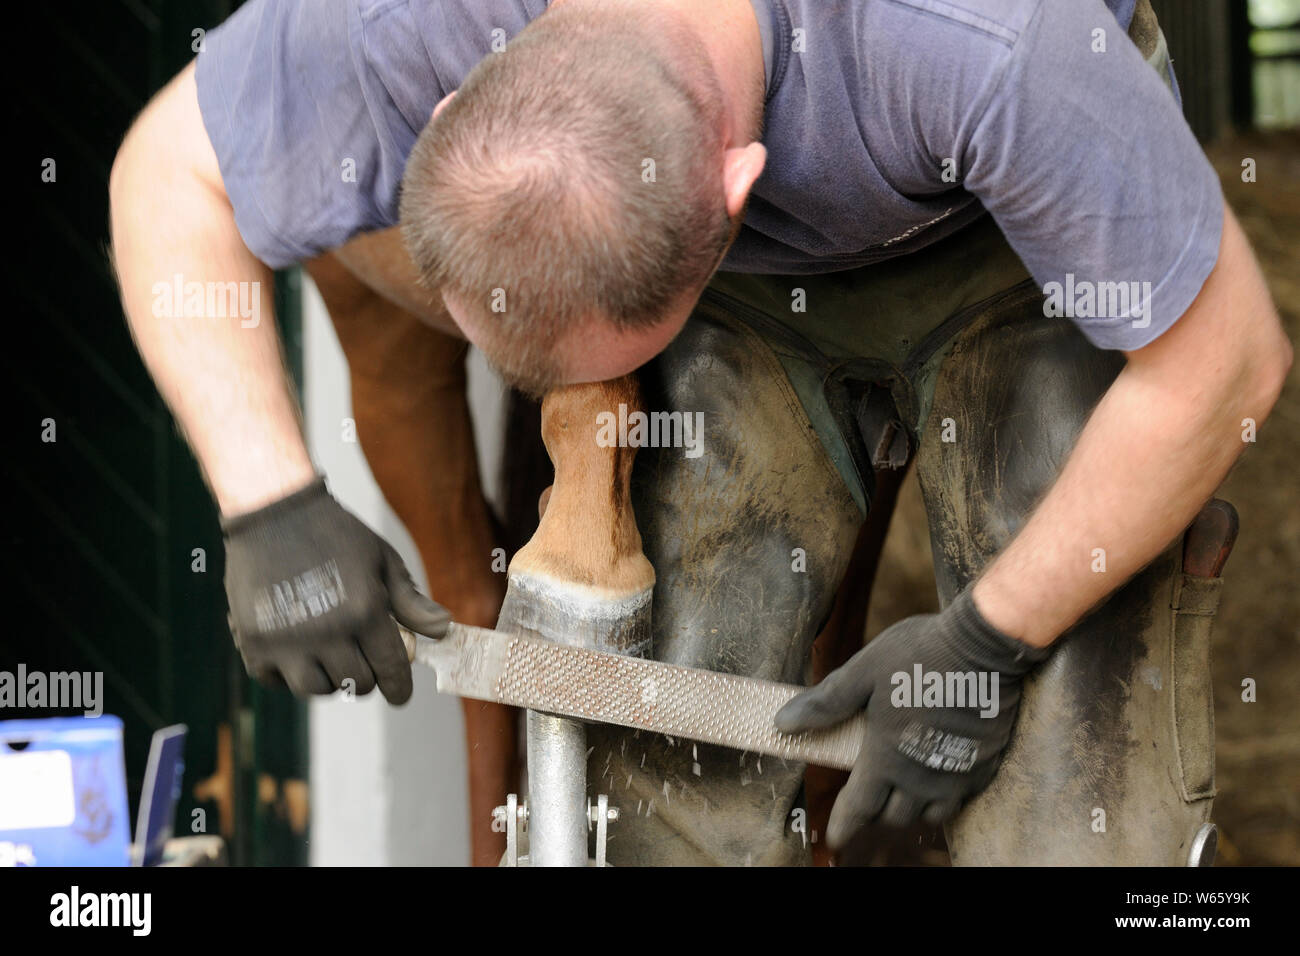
(313, 592)
(222, 377)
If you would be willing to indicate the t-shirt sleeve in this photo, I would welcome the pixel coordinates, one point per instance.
(1086, 163)
(310, 140)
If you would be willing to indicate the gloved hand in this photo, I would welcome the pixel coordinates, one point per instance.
(312, 595)
(927, 747)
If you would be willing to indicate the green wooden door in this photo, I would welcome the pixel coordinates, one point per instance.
(106, 523)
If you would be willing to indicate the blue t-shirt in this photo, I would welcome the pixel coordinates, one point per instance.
(889, 124)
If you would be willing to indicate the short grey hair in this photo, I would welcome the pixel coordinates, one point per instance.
(532, 188)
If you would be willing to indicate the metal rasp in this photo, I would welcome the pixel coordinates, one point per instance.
(686, 702)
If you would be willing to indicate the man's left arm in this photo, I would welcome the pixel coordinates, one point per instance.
(1161, 440)
(1157, 445)
(1084, 160)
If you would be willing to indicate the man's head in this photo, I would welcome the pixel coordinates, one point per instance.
(573, 198)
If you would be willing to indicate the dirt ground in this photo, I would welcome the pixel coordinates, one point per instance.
(1257, 632)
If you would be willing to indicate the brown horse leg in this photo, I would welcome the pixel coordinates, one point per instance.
(582, 578)
(412, 418)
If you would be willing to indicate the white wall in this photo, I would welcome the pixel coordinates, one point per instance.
(388, 784)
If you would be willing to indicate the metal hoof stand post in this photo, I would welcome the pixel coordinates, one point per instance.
(555, 817)
(560, 835)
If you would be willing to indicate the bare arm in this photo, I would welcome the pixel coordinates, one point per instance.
(1160, 441)
(222, 377)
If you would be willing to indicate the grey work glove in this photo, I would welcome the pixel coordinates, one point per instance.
(313, 593)
(927, 747)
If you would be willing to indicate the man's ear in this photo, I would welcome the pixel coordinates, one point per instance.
(442, 103)
(740, 167)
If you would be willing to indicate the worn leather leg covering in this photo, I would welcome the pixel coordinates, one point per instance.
(1112, 758)
(732, 594)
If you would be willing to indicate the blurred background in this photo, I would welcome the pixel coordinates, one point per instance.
(112, 554)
